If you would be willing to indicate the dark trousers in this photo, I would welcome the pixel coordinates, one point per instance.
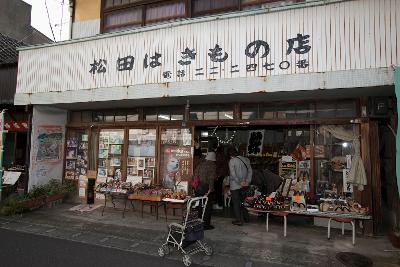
(218, 191)
(239, 211)
(208, 211)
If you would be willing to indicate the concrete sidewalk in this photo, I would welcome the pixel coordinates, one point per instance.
(249, 245)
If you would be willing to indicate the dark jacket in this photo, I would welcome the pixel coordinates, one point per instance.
(206, 171)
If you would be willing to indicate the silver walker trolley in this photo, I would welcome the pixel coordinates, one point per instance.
(189, 233)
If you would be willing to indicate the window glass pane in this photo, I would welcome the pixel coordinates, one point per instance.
(142, 162)
(176, 157)
(202, 7)
(346, 109)
(177, 117)
(304, 111)
(226, 115)
(194, 116)
(120, 117)
(333, 158)
(286, 112)
(267, 112)
(325, 109)
(151, 117)
(164, 117)
(132, 117)
(111, 151)
(109, 116)
(109, 3)
(123, 18)
(98, 116)
(250, 112)
(211, 115)
(165, 11)
(76, 154)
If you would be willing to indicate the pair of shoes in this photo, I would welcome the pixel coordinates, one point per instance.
(217, 207)
(238, 223)
(208, 227)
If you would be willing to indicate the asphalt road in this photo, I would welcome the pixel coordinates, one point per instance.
(21, 249)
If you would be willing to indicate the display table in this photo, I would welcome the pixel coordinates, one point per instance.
(340, 217)
(112, 195)
(148, 200)
(171, 203)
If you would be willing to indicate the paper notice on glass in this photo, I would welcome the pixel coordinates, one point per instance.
(287, 159)
(11, 177)
(82, 192)
(134, 179)
(347, 187)
(348, 161)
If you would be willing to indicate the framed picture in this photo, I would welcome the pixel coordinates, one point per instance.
(102, 163)
(104, 140)
(140, 173)
(71, 153)
(83, 171)
(72, 142)
(148, 173)
(141, 163)
(116, 149)
(102, 172)
(131, 161)
(83, 146)
(133, 171)
(117, 137)
(146, 181)
(85, 137)
(103, 153)
(150, 162)
(70, 165)
(115, 162)
(70, 175)
(117, 174)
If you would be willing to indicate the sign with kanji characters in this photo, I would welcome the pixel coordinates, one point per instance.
(213, 57)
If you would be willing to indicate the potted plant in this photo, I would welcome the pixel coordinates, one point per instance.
(35, 198)
(55, 191)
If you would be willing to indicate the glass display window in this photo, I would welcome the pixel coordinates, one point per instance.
(332, 162)
(111, 153)
(176, 158)
(76, 154)
(142, 162)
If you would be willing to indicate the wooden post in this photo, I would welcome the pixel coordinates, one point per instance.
(375, 176)
(365, 196)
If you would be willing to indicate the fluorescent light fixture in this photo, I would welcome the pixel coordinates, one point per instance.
(204, 134)
(228, 116)
(164, 117)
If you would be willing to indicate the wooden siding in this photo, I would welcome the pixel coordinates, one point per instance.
(350, 35)
(8, 81)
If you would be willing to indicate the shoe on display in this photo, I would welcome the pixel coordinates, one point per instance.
(208, 227)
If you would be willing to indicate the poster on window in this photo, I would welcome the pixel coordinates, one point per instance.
(176, 165)
(50, 144)
(347, 187)
(255, 143)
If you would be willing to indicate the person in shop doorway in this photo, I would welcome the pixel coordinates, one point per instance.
(222, 171)
(240, 174)
(206, 173)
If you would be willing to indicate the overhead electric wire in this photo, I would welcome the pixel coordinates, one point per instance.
(62, 15)
(48, 16)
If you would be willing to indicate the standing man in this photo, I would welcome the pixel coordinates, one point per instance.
(239, 178)
(206, 171)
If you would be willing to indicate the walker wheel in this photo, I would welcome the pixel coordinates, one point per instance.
(209, 250)
(166, 249)
(161, 252)
(186, 260)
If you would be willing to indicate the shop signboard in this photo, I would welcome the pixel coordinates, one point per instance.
(397, 91)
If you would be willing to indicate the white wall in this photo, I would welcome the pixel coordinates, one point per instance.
(40, 172)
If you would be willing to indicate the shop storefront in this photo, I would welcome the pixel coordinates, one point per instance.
(297, 102)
